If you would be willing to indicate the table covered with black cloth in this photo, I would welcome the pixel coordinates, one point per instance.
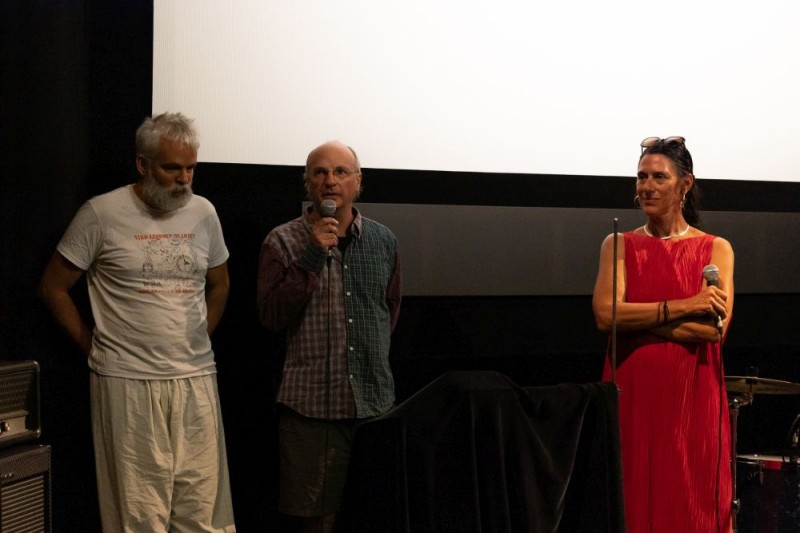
(474, 452)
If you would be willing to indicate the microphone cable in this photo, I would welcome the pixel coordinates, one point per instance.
(328, 357)
(327, 209)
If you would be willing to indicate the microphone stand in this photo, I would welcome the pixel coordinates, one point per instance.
(739, 400)
(614, 311)
(793, 440)
(734, 405)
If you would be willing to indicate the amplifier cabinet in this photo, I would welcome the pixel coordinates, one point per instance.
(19, 402)
(25, 492)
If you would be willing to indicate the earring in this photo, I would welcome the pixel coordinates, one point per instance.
(636, 203)
(683, 200)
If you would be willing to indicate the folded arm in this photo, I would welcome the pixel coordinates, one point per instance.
(688, 320)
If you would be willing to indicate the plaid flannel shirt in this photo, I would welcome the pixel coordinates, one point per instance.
(355, 324)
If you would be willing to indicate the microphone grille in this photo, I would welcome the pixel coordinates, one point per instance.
(328, 208)
(711, 272)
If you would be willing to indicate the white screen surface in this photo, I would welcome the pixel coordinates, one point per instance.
(504, 86)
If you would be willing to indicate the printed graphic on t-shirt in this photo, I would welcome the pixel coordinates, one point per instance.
(169, 263)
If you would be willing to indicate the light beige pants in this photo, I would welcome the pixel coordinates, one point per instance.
(160, 455)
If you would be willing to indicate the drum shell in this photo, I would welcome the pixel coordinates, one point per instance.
(768, 488)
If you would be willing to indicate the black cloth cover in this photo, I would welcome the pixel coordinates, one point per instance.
(474, 452)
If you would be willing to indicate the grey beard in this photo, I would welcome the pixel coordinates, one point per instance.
(163, 198)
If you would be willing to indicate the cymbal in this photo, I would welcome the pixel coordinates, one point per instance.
(760, 385)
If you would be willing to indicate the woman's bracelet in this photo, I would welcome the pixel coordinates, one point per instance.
(666, 311)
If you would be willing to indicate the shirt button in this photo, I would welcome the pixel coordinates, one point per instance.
(345, 267)
(351, 376)
(352, 349)
(350, 320)
(348, 293)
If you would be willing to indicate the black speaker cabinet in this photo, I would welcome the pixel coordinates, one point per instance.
(19, 402)
(25, 505)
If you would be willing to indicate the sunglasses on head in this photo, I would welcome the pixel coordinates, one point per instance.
(655, 141)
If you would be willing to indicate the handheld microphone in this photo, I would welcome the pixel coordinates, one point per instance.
(327, 208)
(711, 275)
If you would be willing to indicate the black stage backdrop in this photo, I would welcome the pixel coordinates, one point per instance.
(76, 82)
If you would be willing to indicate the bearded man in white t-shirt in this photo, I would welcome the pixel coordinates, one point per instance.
(156, 263)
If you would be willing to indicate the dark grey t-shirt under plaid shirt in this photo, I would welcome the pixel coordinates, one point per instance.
(365, 290)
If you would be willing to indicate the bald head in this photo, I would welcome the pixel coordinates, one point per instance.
(333, 172)
(333, 146)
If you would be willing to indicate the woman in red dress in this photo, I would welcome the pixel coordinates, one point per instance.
(670, 322)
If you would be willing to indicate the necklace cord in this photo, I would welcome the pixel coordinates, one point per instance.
(680, 234)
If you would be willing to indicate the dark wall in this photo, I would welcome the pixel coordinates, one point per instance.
(76, 80)
(536, 340)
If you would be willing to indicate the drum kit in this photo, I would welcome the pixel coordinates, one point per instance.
(766, 487)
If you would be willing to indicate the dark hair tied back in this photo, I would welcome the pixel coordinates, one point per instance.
(682, 159)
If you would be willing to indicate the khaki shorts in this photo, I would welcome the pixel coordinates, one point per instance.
(314, 457)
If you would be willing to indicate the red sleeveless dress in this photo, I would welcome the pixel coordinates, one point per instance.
(673, 408)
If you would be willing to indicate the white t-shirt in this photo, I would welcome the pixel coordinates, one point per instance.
(146, 274)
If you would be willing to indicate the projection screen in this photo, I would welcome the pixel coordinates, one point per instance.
(503, 86)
